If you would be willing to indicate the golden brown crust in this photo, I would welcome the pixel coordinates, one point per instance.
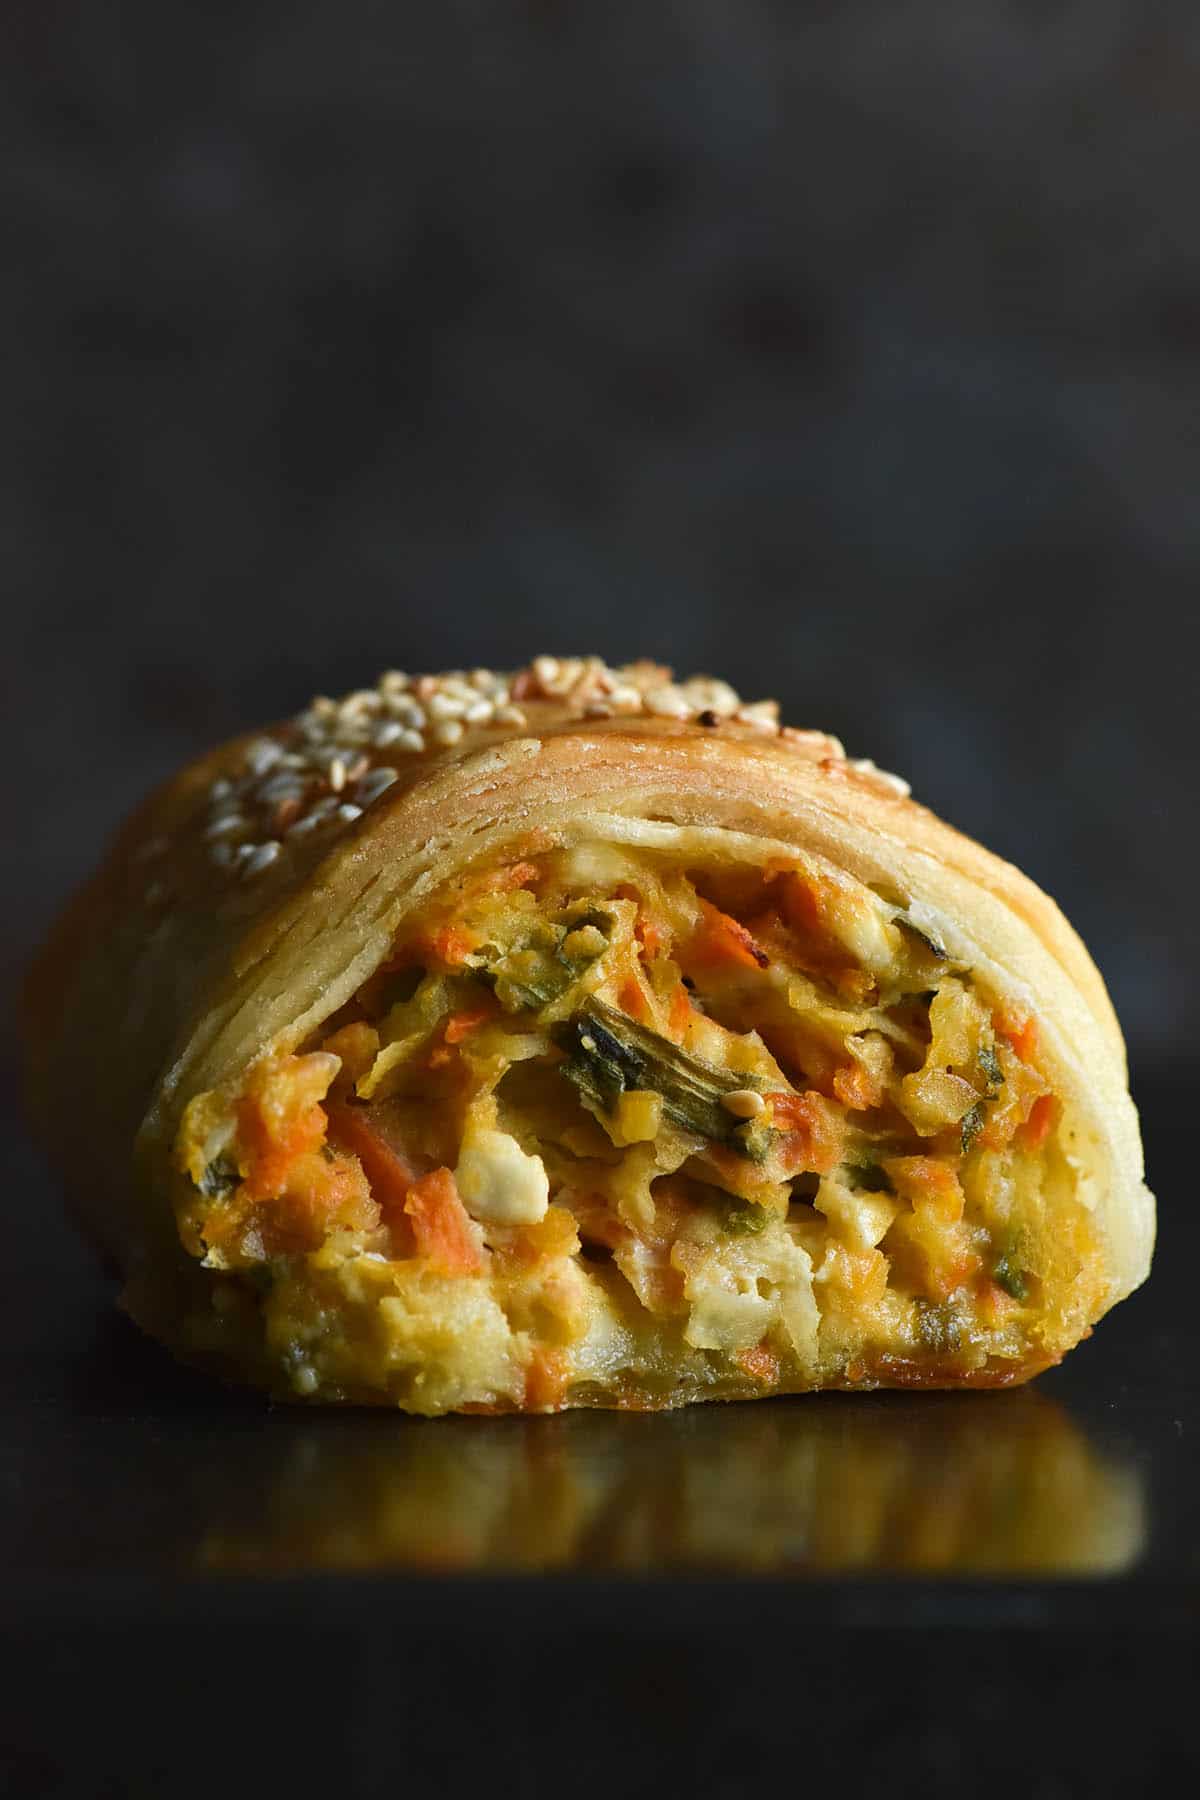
(186, 970)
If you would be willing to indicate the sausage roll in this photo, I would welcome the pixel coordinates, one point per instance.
(576, 1037)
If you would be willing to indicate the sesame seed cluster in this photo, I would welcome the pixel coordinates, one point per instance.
(337, 757)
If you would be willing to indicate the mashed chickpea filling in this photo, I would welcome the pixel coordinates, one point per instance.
(608, 1130)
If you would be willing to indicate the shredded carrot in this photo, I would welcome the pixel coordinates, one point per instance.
(721, 939)
(802, 902)
(547, 1378)
(680, 1014)
(461, 1024)
(650, 936)
(451, 945)
(1018, 1029)
(856, 1088)
(516, 875)
(632, 1000)
(441, 1225)
(273, 1145)
(1043, 1116)
(924, 1181)
(812, 1140)
(386, 1168)
(760, 1363)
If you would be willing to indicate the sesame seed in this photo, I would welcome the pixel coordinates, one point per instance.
(374, 784)
(511, 715)
(895, 784)
(386, 734)
(763, 714)
(479, 712)
(337, 775)
(224, 825)
(412, 741)
(667, 702)
(446, 706)
(349, 812)
(705, 694)
(263, 856)
(220, 790)
(447, 731)
(743, 1103)
(408, 711)
(284, 786)
(262, 755)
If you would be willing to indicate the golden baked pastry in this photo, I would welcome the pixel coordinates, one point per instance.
(578, 1038)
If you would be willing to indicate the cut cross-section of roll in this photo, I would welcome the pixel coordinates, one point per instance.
(577, 1038)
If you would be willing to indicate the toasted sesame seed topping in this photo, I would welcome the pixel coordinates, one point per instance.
(323, 769)
(262, 756)
(895, 784)
(372, 785)
(264, 855)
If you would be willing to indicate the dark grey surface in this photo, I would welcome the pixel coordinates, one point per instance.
(847, 350)
(204, 1594)
(850, 350)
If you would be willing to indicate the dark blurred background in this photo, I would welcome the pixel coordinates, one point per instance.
(850, 350)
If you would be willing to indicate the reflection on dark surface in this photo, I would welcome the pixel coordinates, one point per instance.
(980, 1484)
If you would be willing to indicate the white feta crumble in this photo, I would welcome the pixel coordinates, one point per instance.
(498, 1181)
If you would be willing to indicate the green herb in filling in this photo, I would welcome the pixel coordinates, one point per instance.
(868, 1177)
(609, 1054)
(744, 1219)
(919, 931)
(1013, 1280)
(547, 963)
(971, 1125)
(220, 1177)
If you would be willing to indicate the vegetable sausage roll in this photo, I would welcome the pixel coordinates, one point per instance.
(578, 1038)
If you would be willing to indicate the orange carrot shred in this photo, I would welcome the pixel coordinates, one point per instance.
(461, 1024)
(722, 939)
(1018, 1029)
(680, 1014)
(1043, 1116)
(441, 1225)
(632, 1000)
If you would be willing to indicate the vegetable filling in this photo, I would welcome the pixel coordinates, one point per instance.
(754, 1124)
